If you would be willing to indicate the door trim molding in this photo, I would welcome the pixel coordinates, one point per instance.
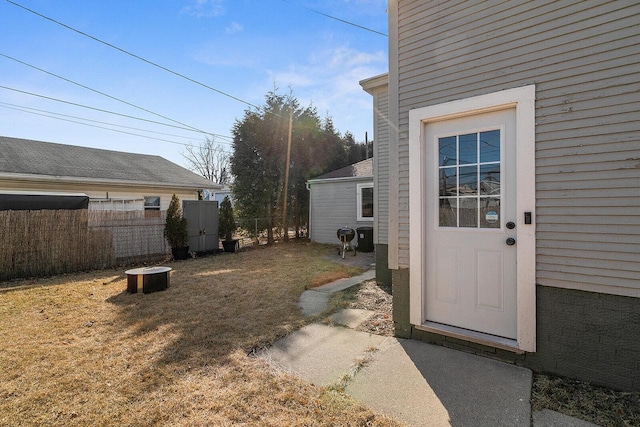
(523, 100)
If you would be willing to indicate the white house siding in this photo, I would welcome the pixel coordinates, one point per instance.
(333, 205)
(583, 57)
(104, 196)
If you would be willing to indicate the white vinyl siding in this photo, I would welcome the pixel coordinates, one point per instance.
(583, 57)
(334, 205)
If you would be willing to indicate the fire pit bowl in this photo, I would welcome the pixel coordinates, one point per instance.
(147, 279)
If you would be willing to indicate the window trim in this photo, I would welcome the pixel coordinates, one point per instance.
(359, 188)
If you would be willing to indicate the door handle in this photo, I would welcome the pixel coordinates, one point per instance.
(511, 241)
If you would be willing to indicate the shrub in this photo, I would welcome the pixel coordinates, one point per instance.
(175, 229)
(227, 224)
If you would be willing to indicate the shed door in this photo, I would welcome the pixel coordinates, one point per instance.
(470, 208)
(202, 224)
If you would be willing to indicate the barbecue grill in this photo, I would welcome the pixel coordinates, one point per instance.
(346, 235)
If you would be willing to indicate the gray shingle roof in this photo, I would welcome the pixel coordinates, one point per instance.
(23, 156)
(356, 170)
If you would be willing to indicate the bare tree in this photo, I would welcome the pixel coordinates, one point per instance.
(209, 160)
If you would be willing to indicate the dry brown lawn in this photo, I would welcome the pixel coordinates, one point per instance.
(79, 350)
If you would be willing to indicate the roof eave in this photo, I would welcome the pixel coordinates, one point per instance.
(103, 181)
(375, 84)
(344, 178)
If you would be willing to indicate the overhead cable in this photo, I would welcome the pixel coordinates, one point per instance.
(99, 92)
(104, 111)
(341, 20)
(134, 55)
(103, 127)
(46, 113)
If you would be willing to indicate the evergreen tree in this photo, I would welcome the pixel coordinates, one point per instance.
(259, 156)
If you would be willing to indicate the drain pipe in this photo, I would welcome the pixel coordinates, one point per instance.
(308, 187)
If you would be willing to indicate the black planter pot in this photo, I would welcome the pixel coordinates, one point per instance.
(180, 253)
(229, 245)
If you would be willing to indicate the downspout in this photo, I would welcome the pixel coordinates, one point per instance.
(308, 187)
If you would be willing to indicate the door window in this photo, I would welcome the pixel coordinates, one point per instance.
(469, 180)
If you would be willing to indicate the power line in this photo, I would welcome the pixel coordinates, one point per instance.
(341, 20)
(98, 92)
(133, 55)
(105, 128)
(158, 66)
(104, 111)
(167, 69)
(32, 111)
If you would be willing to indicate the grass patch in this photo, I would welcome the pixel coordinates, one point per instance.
(79, 350)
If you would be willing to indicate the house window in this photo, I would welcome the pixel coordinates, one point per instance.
(151, 206)
(365, 202)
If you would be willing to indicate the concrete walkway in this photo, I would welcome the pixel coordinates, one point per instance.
(416, 383)
(314, 301)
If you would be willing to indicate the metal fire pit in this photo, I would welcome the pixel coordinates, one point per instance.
(346, 235)
(147, 279)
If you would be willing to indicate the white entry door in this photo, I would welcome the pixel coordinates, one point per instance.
(470, 220)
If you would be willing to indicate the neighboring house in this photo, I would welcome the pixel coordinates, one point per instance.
(113, 180)
(219, 195)
(341, 198)
(513, 155)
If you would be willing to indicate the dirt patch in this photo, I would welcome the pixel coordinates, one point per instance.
(599, 405)
(377, 298)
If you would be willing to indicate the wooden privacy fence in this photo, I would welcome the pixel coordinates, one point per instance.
(45, 242)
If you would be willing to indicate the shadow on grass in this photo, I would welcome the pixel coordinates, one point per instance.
(107, 276)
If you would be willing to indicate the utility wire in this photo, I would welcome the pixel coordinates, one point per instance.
(31, 110)
(340, 20)
(104, 127)
(157, 65)
(102, 110)
(99, 92)
(134, 55)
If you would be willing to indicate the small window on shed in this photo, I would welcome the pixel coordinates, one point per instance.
(365, 202)
(151, 206)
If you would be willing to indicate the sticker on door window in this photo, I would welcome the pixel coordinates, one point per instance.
(491, 217)
(469, 180)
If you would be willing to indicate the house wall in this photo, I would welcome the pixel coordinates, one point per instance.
(583, 57)
(381, 164)
(104, 197)
(333, 205)
(378, 87)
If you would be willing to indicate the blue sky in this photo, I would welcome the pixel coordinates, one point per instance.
(240, 47)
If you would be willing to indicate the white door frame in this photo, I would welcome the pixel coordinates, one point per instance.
(523, 100)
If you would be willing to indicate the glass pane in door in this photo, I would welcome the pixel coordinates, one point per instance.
(469, 180)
